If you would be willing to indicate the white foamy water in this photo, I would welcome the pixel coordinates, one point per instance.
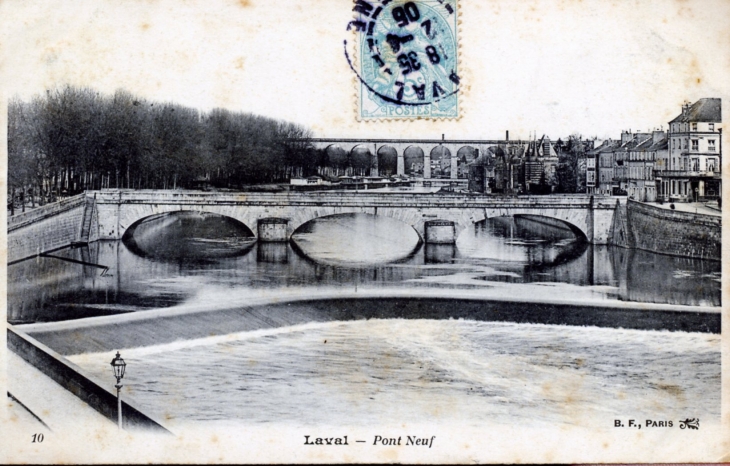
(425, 371)
(269, 364)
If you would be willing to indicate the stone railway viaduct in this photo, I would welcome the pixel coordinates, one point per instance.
(423, 148)
(437, 218)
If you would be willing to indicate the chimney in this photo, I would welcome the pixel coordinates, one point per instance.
(657, 136)
(626, 136)
(506, 137)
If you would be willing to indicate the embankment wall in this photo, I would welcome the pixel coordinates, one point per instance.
(70, 377)
(46, 228)
(670, 232)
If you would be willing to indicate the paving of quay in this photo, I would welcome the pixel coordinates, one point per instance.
(704, 208)
(45, 399)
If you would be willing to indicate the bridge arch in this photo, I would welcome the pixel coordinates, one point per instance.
(387, 161)
(465, 155)
(164, 235)
(129, 231)
(135, 215)
(413, 160)
(440, 158)
(555, 223)
(116, 211)
(462, 218)
(300, 225)
(578, 220)
(336, 160)
(361, 160)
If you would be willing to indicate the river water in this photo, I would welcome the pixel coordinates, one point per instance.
(356, 319)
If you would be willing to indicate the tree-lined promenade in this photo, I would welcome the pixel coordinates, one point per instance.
(72, 139)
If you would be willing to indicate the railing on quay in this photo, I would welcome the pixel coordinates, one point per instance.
(687, 173)
(21, 219)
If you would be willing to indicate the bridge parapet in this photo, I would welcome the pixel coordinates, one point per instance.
(119, 209)
(113, 212)
(349, 198)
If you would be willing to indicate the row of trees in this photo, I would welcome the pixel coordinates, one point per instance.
(72, 139)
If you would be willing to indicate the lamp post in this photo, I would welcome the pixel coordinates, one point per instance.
(118, 365)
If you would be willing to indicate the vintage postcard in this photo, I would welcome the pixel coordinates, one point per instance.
(384, 231)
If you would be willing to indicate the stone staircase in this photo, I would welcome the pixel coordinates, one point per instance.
(88, 219)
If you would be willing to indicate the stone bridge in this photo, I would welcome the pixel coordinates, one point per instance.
(275, 217)
(420, 150)
(437, 218)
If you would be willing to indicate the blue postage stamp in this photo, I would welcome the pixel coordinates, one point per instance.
(406, 59)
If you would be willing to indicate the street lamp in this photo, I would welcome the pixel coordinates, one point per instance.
(118, 365)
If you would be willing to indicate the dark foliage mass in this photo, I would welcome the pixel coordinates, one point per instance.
(568, 173)
(72, 139)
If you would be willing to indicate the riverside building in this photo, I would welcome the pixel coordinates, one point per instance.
(695, 154)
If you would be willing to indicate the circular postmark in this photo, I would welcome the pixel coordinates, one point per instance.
(408, 57)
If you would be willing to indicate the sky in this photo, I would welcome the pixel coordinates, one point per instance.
(549, 67)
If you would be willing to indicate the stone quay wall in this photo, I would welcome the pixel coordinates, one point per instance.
(676, 233)
(46, 228)
(73, 379)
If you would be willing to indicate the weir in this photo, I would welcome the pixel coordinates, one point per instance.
(73, 379)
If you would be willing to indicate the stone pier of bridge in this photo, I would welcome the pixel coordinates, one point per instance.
(274, 217)
(437, 218)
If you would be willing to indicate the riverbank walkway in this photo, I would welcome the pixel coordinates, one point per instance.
(705, 208)
(42, 404)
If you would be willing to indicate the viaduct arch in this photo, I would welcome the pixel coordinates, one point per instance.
(455, 147)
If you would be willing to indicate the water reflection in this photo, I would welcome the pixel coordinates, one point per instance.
(272, 253)
(439, 253)
(356, 239)
(521, 239)
(500, 252)
(188, 235)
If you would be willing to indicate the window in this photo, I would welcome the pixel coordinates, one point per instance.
(695, 144)
(710, 165)
(685, 143)
(711, 145)
(712, 126)
(695, 165)
(694, 126)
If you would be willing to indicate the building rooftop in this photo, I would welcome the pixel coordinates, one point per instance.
(645, 144)
(607, 146)
(704, 110)
(663, 144)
